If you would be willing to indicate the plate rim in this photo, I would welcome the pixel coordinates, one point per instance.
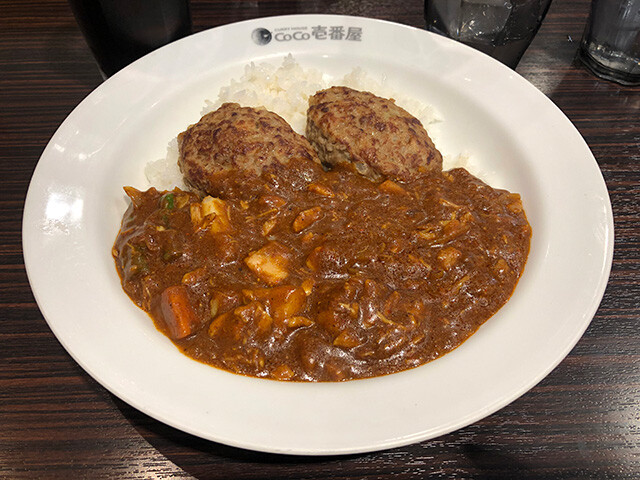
(590, 313)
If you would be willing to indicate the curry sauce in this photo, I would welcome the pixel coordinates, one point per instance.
(314, 275)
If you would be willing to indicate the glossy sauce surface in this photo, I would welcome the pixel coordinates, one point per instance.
(323, 276)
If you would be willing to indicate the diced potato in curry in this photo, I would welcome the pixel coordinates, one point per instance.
(212, 214)
(282, 302)
(307, 218)
(270, 263)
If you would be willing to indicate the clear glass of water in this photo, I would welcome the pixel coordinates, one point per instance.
(500, 28)
(610, 46)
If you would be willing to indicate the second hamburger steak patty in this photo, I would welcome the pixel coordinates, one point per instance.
(377, 136)
(240, 139)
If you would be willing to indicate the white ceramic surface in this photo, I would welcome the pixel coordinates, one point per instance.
(521, 140)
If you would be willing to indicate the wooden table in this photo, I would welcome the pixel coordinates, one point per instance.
(582, 421)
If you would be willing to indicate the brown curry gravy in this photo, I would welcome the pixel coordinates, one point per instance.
(311, 275)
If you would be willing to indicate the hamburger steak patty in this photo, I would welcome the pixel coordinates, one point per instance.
(238, 139)
(373, 133)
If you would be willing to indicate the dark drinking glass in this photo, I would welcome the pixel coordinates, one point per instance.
(121, 31)
(611, 43)
(500, 28)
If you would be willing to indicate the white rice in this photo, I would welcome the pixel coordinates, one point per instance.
(285, 90)
(164, 174)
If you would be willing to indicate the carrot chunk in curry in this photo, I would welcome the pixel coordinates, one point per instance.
(176, 313)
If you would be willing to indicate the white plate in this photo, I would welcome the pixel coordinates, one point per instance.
(521, 140)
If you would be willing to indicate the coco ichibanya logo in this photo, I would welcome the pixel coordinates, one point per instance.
(262, 36)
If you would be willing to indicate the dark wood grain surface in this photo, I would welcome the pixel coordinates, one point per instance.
(582, 421)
